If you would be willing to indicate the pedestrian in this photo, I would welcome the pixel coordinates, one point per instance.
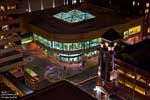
(65, 69)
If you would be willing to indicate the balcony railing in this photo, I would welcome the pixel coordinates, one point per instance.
(10, 31)
(11, 64)
(10, 49)
(10, 12)
(13, 21)
(9, 58)
(13, 39)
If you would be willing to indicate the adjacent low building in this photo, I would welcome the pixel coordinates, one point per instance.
(132, 64)
(60, 90)
(10, 38)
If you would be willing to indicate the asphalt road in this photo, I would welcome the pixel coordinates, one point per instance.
(89, 72)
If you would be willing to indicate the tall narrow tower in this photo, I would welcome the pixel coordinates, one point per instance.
(146, 21)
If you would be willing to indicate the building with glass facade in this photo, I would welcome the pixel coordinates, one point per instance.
(64, 49)
(72, 34)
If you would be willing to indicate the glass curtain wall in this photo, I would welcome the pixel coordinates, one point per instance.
(27, 40)
(68, 47)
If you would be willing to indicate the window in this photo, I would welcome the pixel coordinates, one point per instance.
(67, 46)
(120, 71)
(2, 37)
(120, 80)
(132, 31)
(13, 7)
(129, 84)
(74, 1)
(140, 89)
(91, 53)
(126, 34)
(2, 8)
(148, 30)
(27, 40)
(146, 11)
(5, 27)
(70, 58)
(6, 18)
(35, 37)
(8, 7)
(140, 78)
(133, 3)
(130, 74)
(94, 42)
(147, 5)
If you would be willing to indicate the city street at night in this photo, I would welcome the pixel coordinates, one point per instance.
(75, 49)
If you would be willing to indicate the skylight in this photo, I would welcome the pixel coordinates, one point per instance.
(74, 16)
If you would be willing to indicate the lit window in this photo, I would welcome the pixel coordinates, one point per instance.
(5, 46)
(110, 48)
(8, 7)
(140, 89)
(146, 11)
(131, 75)
(2, 8)
(106, 44)
(148, 30)
(133, 3)
(5, 27)
(132, 31)
(115, 44)
(30, 72)
(121, 81)
(74, 1)
(147, 4)
(1, 37)
(26, 40)
(120, 71)
(102, 45)
(138, 77)
(129, 84)
(126, 34)
(13, 7)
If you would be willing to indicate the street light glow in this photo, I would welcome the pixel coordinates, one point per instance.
(97, 88)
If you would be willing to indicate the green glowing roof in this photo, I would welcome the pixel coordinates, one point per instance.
(30, 72)
(74, 16)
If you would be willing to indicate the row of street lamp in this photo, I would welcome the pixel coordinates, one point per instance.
(66, 2)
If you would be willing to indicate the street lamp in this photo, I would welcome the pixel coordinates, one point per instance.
(29, 6)
(42, 5)
(53, 3)
(110, 49)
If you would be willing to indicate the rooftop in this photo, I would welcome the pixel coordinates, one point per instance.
(59, 91)
(137, 55)
(76, 20)
(111, 35)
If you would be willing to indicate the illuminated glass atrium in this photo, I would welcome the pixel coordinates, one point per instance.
(74, 16)
(67, 47)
